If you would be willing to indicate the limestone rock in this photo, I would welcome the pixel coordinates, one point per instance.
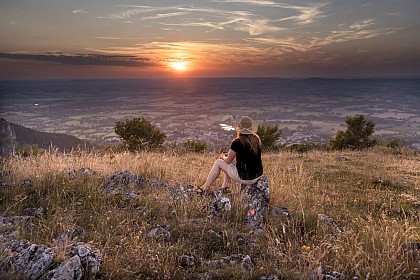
(327, 221)
(90, 258)
(69, 269)
(258, 200)
(70, 172)
(238, 259)
(73, 173)
(26, 260)
(26, 183)
(130, 195)
(86, 171)
(187, 261)
(8, 236)
(323, 274)
(244, 261)
(120, 181)
(158, 184)
(412, 250)
(16, 221)
(381, 181)
(160, 231)
(247, 263)
(213, 264)
(281, 212)
(179, 192)
(4, 185)
(220, 205)
(84, 262)
(243, 241)
(5, 173)
(341, 158)
(36, 212)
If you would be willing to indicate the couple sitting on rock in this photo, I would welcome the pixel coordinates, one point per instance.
(242, 163)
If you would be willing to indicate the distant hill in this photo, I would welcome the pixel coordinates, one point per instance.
(14, 136)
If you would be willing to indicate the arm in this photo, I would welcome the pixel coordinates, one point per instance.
(230, 156)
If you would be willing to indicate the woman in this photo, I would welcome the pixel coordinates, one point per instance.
(243, 162)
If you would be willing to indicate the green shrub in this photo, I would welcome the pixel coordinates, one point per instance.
(30, 150)
(116, 148)
(269, 136)
(356, 137)
(139, 134)
(195, 146)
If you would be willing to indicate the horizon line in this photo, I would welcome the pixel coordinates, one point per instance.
(215, 77)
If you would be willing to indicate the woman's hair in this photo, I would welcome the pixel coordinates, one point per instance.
(252, 141)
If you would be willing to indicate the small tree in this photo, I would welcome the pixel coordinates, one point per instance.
(269, 135)
(357, 135)
(139, 134)
(195, 146)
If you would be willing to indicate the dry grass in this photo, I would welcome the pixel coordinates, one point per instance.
(373, 196)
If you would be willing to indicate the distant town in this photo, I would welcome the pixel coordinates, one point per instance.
(185, 114)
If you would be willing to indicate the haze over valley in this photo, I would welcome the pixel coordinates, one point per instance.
(307, 110)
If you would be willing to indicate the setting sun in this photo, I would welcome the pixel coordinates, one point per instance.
(179, 65)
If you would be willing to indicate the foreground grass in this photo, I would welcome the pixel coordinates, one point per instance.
(373, 196)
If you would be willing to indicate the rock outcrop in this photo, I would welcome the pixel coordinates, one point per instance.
(244, 261)
(322, 273)
(258, 200)
(122, 181)
(26, 260)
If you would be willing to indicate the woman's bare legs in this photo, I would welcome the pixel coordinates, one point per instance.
(226, 180)
(218, 165)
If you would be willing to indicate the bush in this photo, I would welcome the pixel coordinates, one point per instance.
(307, 147)
(116, 148)
(195, 146)
(30, 150)
(357, 135)
(139, 134)
(269, 136)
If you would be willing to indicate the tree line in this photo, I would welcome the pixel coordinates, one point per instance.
(139, 134)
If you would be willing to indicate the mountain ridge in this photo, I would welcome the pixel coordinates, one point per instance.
(14, 136)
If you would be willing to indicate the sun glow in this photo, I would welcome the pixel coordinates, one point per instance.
(179, 65)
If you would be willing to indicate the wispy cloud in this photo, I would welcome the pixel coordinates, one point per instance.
(134, 10)
(362, 24)
(305, 14)
(237, 18)
(165, 15)
(356, 31)
(81, 11)
(116, 38)
(83, 59)
(395, 14)
(250, 2)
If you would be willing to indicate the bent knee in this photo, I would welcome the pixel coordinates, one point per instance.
(219, 162)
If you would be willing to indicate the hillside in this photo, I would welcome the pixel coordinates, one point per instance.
(14, 137)
(348, 215)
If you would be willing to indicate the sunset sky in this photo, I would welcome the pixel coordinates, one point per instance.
(42, 39)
